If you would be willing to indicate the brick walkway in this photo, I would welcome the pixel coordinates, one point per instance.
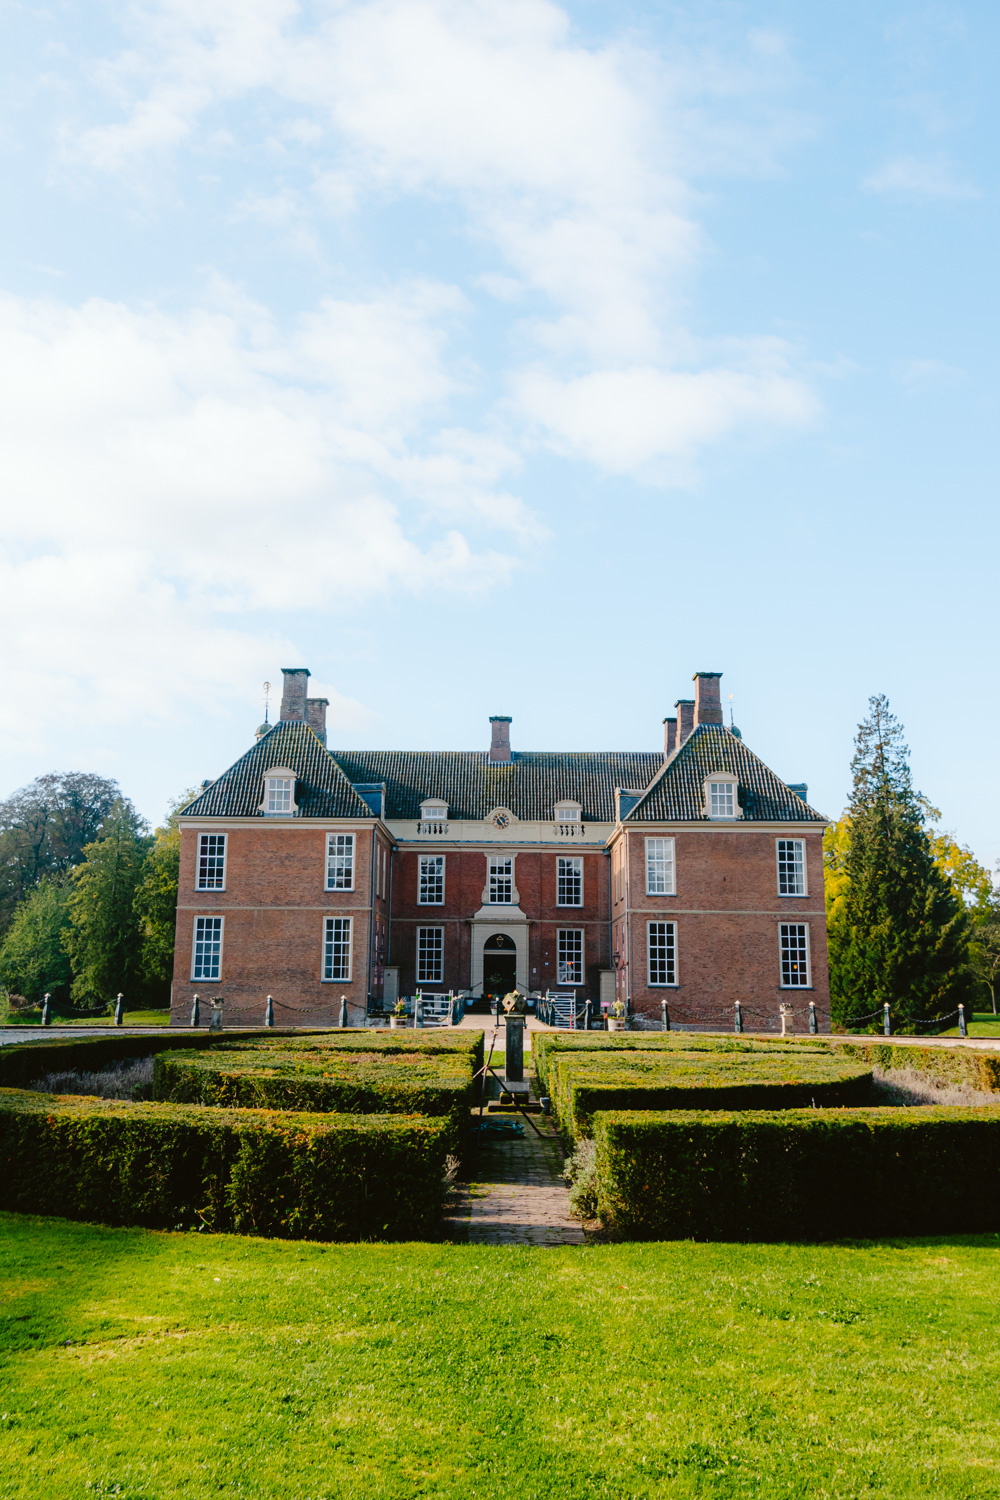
(518, 1196)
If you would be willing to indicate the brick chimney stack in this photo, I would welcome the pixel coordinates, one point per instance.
(707, 702)
(293, 695)
(685, 719)
(316, 715)
(669, 737)
(500, 738)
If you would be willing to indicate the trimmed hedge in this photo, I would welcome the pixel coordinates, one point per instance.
(269, 1173)
(943, 1067)
(579, 1085)
(800, 1174)
(544, 1045)
(349, 1081)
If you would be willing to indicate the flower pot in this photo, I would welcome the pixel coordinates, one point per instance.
(396, 1021)
(618, 1023)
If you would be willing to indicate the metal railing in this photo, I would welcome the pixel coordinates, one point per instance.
(563, 1009)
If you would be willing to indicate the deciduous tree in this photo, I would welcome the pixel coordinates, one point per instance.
(156, 904)
(104, 939)
(33, 957)
(44, 829)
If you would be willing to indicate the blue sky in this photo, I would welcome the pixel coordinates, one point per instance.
(499, 358)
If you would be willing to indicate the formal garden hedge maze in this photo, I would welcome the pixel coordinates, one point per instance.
(333, 1136)
(682, 1136)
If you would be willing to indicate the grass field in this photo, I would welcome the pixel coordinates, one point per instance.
(983, 1023)
(132, 1018)
(143, 1365)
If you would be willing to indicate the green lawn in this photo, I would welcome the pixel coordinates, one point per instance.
(143, 1365)
(983, 1023)
(132, 1018)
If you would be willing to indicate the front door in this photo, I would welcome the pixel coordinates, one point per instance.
(499, 973)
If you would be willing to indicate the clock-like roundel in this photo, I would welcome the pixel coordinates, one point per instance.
(501, 819)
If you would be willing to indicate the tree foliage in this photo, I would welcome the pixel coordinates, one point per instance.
(44, 829)
(156, 904)
(898, 930)
(33, 957)
(104, 940)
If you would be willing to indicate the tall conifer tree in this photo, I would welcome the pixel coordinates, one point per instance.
(900, 934)
(104, 939)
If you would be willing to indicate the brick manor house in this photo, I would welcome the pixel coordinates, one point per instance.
(313, 875)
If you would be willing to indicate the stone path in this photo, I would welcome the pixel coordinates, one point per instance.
(518, 1197)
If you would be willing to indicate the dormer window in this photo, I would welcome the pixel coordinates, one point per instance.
(279, 793)
(721, 797)
(433, 816)
(568, 812)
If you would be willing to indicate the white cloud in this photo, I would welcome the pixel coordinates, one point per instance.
(922, 179)
(164, 478)
(920, 376)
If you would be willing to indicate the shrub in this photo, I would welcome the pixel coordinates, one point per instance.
(351, 1082)
(943, 1067)
(545, 1045)
(806, 1174)
(580, 1084)
(260, 1172)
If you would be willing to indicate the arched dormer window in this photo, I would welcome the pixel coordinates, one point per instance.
(722, 796)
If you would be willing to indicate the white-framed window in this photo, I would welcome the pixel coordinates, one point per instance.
(431, 887)
(568, 812)
(336, 948)
(661, 948)
(206, 957)
(430, 955)
(211, 862)
(434, 812)
(660, 867)
(340, 861)
(278, 795)
(569, 969)
(569, 882)
(722, 799)
(501, 880)
(791, 867)
(794, 955)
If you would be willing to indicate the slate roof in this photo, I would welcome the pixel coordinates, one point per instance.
(322, 789)
(678, 793)
(529, 786)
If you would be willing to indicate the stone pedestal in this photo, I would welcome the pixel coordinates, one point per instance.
(514, 1080)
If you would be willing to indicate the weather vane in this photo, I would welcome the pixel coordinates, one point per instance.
(267, 701)
(730, 710)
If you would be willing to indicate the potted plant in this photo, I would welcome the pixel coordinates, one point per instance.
(618, 1016)
(397, 1016)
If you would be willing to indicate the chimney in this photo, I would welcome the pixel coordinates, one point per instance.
(669, 737)
(293, 695)
(500, 738)
(707, 703)
(685, 719)
(316, 715)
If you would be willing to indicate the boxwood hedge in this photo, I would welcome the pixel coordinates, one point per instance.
(270, 1173)
(545, 1045)
(582, 1083)
(800, 1174)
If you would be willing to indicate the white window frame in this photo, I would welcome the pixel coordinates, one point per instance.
(276, 774)
(575, 950)
(198, 971)
(568, 812)
(572, 864)
(342, 859)
(434, 812)
(215, 859)
(785, 929)
(723, 779)
(799, 845)
(346, 944)
(661, 851)
(496, 878)
(666, 953)
(428, 860)
(430, 972)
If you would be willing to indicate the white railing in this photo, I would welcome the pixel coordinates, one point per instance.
(432, 826)
(568, 830)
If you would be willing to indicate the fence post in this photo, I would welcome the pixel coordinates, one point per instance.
(269, 1012)
(963, 1030)
(737, 1017)
(46, 1017)
(195, 1017)
(813, 1028)
(886, 1023)
(665, 1014)
(119, 1010)
(343, 1011)
(416, 1010)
